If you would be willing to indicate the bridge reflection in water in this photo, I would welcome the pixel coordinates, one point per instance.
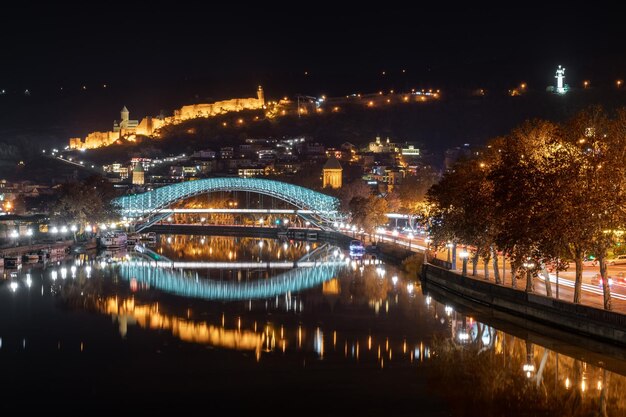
(188, 284)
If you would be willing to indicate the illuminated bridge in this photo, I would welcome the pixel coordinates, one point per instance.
(189, 285)
(143, 206)
(228, 265)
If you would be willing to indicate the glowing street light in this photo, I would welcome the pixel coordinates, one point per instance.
(449, 246)
(410, 236)
(464, 255)
(529, 279)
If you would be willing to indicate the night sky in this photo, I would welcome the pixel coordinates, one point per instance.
(62, 46)
(162, 55)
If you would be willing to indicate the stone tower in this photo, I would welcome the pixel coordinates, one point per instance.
(124, 114)
(332, 173)
(260, 95)
(138, 174)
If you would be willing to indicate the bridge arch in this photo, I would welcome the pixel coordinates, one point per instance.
(178, 282)
(147, 204)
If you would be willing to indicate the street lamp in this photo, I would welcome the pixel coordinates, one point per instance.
(427, 240)
(307, 224)
(464, 255)
(395, 235)
(29, 233)
(380, 231)
(410, 236)
(73, 228)
(529, 282)
(449, 246)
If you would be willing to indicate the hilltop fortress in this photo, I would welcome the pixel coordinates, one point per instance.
(128, 129)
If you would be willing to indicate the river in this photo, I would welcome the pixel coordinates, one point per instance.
(231, 326)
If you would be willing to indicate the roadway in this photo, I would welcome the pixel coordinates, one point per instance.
(592, 293)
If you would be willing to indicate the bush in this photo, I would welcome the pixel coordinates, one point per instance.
(413, 264)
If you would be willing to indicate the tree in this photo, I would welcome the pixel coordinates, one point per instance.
(84, 203)
(368, 212)
(357, 188)
(413, 190)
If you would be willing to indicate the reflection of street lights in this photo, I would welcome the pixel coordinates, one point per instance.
(464, 255)
(529, 367)
(15, 235)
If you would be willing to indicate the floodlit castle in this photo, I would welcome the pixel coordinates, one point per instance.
(127, 128)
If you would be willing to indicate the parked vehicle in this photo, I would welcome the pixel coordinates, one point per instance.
(618, 260)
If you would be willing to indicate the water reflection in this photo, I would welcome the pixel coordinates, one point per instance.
(128, 312)
(188, 283)
(496, 372)
(334, 315)
(224, 248)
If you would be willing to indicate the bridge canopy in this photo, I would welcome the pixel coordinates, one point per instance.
(144, 205)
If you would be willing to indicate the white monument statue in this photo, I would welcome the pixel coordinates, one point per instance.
(561, 87)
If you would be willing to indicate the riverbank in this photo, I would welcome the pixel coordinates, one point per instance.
(26, 249)
(588, 321)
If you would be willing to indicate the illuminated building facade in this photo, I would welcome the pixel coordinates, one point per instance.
(332, 173)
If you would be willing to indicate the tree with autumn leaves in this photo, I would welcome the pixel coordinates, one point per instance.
(541, 194)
